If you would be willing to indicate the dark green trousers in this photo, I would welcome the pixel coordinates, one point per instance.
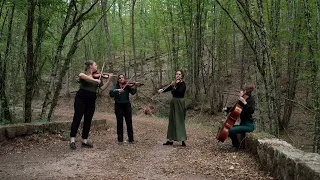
(245, 126)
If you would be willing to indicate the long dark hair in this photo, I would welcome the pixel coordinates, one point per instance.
(182, 74)
(118, 83)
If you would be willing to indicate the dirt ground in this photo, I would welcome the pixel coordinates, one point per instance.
(49, 157)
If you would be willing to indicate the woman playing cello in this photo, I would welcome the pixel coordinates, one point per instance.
(247, 102)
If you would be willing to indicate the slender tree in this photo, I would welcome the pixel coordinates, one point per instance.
(31, 64)
(5, 112)
(133, 45)
(106, 30)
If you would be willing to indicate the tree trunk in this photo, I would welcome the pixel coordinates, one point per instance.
(213, 87)
(133, 41)
(142, 54)
(64, 70)
(106, 30)
(30, 65)
(5, 111)
(197, 57)
(54, 69)
(314, 78)
(122, 39)
(294, 55)
(174, 52)
(275, 55)
(67, 27)
(269, 79)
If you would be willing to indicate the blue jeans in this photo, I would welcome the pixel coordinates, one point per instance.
(245, 126)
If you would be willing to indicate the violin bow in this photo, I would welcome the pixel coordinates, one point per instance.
(101, 71)
(127, 82)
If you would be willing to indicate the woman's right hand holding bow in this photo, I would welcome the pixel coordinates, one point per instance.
(118, 90)
(160, 90)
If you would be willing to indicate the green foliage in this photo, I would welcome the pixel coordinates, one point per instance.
(41, 120)
(40, 133)
(4, 122)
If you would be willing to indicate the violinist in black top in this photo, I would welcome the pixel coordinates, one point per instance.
(247, 123)
(176, 127)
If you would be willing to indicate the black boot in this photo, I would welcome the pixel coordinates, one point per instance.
(168, 143)
(183, 144)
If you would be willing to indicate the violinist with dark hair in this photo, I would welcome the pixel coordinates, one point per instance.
(84, 103)
(247, 102)
(122, 106)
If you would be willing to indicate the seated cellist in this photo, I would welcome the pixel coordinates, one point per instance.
(247, 123)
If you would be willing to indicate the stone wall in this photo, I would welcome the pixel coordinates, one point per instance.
(15, 130)
(282, 159)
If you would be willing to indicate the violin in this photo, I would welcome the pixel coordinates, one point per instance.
(132, 83)
(96, 75)
(174, 83)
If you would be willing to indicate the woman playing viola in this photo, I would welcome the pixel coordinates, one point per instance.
(176, 128)
(247, 123)
(84, 103)
(122, 106)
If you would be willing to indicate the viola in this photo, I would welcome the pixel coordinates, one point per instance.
(234, 114)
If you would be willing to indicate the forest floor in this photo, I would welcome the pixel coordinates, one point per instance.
(48, 156)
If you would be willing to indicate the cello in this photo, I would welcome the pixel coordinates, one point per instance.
(233, 115)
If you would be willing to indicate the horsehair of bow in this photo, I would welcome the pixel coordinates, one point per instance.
(127, 82)
(101, 71)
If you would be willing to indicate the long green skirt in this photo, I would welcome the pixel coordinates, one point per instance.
(176, 127)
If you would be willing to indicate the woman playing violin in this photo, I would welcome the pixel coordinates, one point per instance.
(247, 123)
(84, 103)
(176, 128)
(122, 106)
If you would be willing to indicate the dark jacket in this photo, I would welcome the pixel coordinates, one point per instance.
(179, 91)
(247, 110)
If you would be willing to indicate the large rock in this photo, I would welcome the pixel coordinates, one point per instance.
(282, 159)
(56, 127)
(34, 128)
(14, 130)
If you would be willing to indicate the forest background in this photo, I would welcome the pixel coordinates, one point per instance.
(220, 44)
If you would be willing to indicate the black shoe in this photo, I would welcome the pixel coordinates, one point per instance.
(132, 142)
(73, 146)
(235, 146)
(183, 144)
(87, 145)
(168, 143)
